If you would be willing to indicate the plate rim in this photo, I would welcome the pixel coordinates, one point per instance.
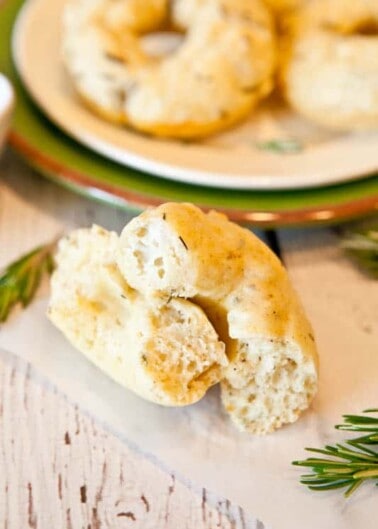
(161, 169)
(122, 197)
(58, 167)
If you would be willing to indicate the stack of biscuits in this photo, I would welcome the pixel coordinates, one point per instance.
(183, 300)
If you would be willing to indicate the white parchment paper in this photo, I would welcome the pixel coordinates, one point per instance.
(201, 445)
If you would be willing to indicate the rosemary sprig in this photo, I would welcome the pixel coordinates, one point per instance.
(281, 146)
(20, 280)
(362, 246)
(346, 465)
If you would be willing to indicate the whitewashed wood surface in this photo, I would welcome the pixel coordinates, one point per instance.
(58, 467)
(61, 469)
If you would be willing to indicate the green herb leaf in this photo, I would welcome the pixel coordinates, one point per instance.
(348, 465)
(20, 280)
(281, 146)
(362, 246)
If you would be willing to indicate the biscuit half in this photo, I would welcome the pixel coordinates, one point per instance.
(167, 353)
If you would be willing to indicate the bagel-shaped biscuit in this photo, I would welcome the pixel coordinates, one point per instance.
(330, 67)
(215, 78)
(168, 354)
(177, 251)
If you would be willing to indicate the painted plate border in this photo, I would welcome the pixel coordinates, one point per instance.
(37, 59)
(60, 158)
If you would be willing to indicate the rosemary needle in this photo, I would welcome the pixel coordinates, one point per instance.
(362, 246)
(20, 280)
(346, 465)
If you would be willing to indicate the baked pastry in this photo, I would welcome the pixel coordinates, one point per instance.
(178, 252)
(167, 353)
(330, 65)
(216, 77)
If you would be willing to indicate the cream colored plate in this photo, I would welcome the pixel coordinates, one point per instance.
(230, 160)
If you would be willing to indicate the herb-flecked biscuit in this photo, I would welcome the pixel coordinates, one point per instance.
(177, 251)
(215, 78)
(166, 353)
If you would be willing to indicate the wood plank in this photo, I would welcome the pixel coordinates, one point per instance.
(61, 469)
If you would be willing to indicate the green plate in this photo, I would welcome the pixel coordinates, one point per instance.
(59, 157)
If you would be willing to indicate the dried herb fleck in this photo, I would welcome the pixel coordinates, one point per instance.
(284, 146)
(184, 243)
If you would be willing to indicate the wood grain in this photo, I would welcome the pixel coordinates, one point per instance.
(61, 469)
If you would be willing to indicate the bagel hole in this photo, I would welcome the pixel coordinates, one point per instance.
(217, 315)
(162, 43)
